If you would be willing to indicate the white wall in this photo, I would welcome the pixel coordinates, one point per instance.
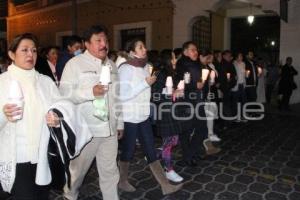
(185, 11)
(290, 42)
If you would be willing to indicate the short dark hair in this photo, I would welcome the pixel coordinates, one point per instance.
(205, 52)
(95, 29)
(187, 44)
(177, 52)
(73, 39)
(226, 52)
(17, 40)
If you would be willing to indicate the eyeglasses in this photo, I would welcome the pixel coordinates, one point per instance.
(25, 51)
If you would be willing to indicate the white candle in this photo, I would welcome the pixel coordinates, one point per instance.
(150, 69)
(247, 73)
(16, 96)
(212, 76)
(169, 85)
(169, 81)
(105, 75)
(259, 71)
(228, 76)
(187, 77)
(180, 85)
(205, 73)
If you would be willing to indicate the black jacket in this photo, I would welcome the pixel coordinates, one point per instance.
(43, 67)
(225, 84)
(252, 80)
(185, 64)
(287, 83)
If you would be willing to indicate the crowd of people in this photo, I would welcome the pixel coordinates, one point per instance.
(186, 96)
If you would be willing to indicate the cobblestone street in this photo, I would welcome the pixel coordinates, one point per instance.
(259, 160)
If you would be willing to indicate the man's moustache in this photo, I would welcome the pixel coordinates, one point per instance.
(103, 49)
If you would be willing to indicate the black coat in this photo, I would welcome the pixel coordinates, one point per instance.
(166, 125)
(225, 84)
(253, 77)
(43, 67)
(287, 83)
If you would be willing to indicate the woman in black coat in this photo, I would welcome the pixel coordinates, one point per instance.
(167, 127)
(287, 83)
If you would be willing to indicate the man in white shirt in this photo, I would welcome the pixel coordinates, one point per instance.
(80, 84)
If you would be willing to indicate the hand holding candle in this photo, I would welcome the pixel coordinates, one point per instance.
(228, 76)
(16, 97)
(212, 76)
(259, 71)
(247, 73)
(169, 85)
(150, 69)
(180, 85)
(205, 73)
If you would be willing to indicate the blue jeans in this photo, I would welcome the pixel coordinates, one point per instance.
(142, 131)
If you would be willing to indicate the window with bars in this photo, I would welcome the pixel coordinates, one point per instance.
(201, 32)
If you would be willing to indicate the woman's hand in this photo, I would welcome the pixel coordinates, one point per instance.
(52, 119)
(10, 111)
(200, 85)
(150, 80)
(178, 93)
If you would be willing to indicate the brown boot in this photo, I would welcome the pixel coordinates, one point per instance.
(159, 175)
(210, 148)
(123, 182)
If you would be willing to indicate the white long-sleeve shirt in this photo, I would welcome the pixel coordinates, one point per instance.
(240, 69)
(80, 75)
(135, 93)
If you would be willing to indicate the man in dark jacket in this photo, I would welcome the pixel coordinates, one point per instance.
(189, 63)
(74, 46)
(287, 83)
(227, 79)
(252, 79)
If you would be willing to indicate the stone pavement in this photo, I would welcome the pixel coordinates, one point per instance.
(260, 160)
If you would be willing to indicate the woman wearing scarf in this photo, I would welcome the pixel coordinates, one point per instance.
(135, 93)
(25, 98)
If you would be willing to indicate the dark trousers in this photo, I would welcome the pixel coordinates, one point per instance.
(269, 90)
(238, 96)
(285, 101)
(251, 94)
(142, 131)
(192, 145)
(24, 187)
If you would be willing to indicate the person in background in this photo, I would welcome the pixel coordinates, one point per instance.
(228, 79)
(271, 80)
(80, 83)
(239, 95)
(194, 94)
(48, 66)
(112, 55)
(74, 48)
(166, 126)
(287, 83)
(21, 127)
(135, 93)
(252, 78)
(211, 108)
(261, 92)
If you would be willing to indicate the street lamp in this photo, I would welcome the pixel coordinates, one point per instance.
(250, 17)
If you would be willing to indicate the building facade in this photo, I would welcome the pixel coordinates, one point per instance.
(160, 23)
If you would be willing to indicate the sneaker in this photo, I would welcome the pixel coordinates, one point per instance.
(173, 176)
(214, 138)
